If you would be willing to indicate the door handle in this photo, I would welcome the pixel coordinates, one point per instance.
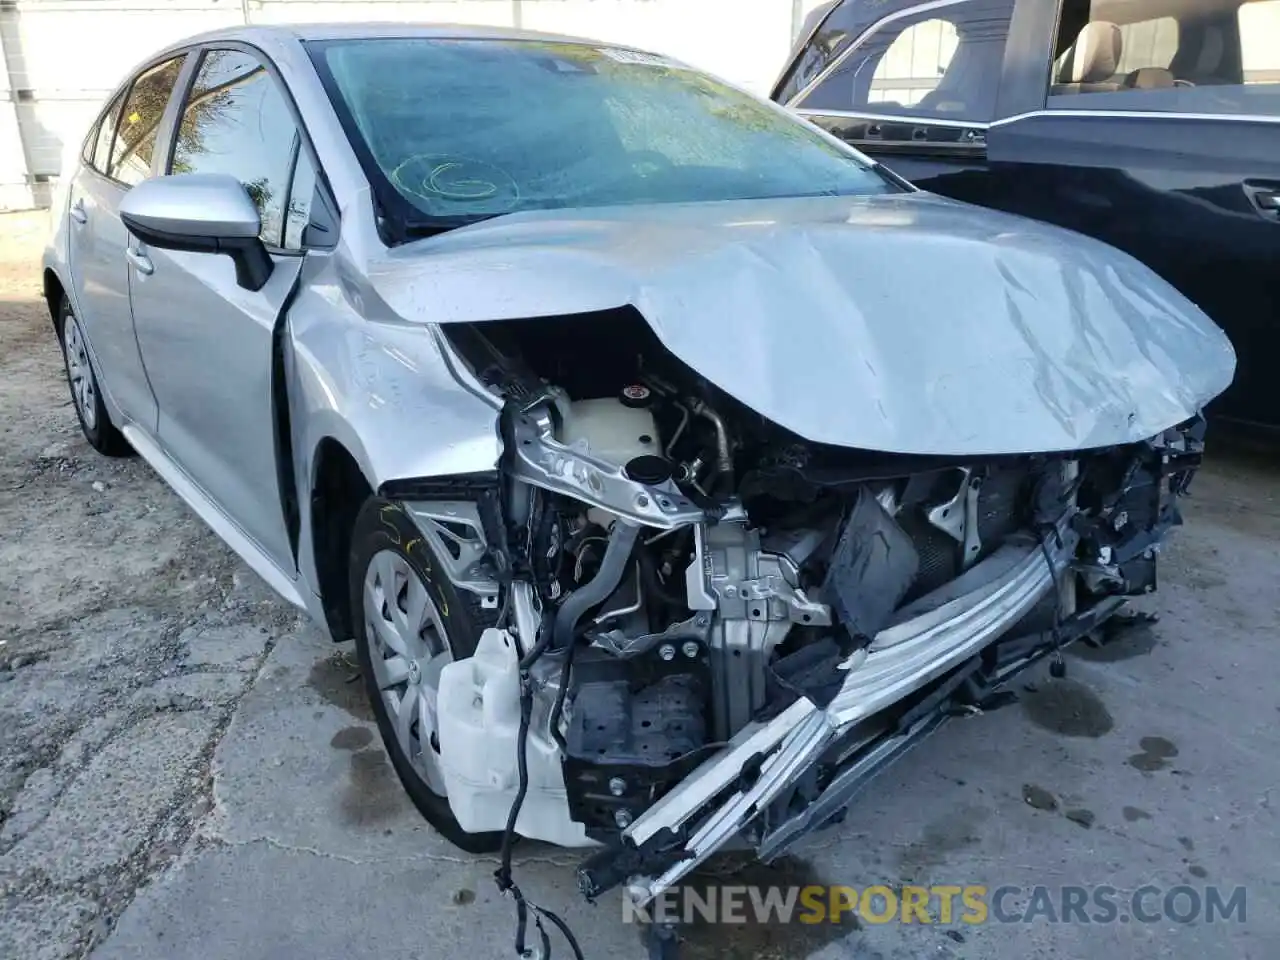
(77, 212)
(1265, 197)
(141, 262)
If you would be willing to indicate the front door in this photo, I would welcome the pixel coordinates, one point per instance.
(205, 340)
(122, 156)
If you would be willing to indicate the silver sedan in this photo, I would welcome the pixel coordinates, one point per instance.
(672, 465)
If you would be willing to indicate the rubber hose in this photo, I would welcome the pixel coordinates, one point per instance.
(612, 569)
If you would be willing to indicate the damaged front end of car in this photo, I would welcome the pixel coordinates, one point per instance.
(711, 631)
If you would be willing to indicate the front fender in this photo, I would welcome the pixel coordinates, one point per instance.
(386, 391)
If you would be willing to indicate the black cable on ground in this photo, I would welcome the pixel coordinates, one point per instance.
(503, 874)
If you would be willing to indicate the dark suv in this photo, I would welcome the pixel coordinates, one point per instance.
(1151, 124)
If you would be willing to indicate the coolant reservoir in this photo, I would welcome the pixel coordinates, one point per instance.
(610, 430)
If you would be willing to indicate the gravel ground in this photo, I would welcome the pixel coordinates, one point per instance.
(187, 770)
(128, 632)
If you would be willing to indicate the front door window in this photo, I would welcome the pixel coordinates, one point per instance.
(236, 121)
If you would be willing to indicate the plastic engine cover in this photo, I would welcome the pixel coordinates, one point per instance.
(478, 709)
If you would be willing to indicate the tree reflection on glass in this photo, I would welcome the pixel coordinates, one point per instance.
(236, 122)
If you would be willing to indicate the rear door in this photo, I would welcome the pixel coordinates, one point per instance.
(1172, 154)
(122, 156)
(205, 340)
(912, 84)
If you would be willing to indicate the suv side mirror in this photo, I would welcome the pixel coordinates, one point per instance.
(201, 213)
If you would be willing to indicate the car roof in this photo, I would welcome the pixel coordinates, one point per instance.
(374, 29)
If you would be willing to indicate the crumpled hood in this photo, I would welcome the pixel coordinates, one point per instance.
(904, 323)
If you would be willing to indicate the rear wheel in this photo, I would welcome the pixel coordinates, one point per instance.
(408, 625)
(85, 393)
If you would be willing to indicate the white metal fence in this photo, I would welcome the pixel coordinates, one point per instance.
(60, 58)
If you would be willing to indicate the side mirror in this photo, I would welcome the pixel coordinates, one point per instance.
(201, 213)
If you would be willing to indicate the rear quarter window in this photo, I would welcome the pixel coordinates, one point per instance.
(101, 157)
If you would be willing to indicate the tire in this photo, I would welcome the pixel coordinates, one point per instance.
(86, 395)
(386, 547)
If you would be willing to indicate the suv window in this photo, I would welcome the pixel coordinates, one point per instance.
(1259, 25)
(135, 142)
(101, 159)
(940, 62)
(914, 63)
(827, 31)
(1148, 43)
(236, 121)
(1167, 55)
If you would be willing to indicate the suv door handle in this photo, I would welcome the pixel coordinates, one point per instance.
(77, 212)
(141, 262)
(1266, 197)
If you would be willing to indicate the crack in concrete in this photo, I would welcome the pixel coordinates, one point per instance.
(134, 716)
(278, 844)
(170, 828)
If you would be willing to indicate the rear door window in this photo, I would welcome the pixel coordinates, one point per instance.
(931, 62)
(914, 64)
(139, 124)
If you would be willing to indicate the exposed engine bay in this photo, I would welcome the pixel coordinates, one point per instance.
(709, 630)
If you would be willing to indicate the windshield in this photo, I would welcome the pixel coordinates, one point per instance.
(461, 130)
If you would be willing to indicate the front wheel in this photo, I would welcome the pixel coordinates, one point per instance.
(409, 623)
(85, 393)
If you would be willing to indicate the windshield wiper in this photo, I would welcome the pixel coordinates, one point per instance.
(433, 226)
